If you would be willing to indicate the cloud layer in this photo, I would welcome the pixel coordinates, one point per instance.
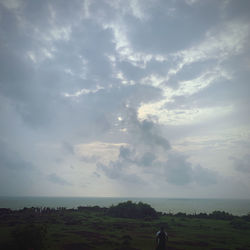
(107, 98)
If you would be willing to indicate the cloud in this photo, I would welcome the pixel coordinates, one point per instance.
(68, 148)
(117, 172)
(220, 43)
(54, 178)
(242, 164)
(147, 159)
(180, 171)
(148, 152)
(237, 9)
(90, 159)
(144, 136)
(11, 160)
(113, 85)
(122, 168)
(205, 176)
(144, 131)
(170, 26)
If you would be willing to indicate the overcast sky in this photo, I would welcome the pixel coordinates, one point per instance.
(125, 98)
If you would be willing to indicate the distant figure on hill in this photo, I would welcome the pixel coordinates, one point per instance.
(161, 238)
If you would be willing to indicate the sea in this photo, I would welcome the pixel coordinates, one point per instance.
(168, 205)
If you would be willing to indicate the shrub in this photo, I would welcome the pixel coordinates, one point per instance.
(132, 210)
(221, 215)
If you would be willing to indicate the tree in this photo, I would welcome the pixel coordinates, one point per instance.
(132, 210)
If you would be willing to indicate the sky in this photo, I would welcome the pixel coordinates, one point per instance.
(132, 98)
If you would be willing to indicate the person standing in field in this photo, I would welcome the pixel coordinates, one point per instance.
(161, 239)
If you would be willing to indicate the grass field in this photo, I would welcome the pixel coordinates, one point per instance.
(94, 229)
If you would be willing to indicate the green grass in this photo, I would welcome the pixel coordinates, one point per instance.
(95, 230)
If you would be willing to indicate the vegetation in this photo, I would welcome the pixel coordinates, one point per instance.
(30, 236)
(132, 210)
(125, 226)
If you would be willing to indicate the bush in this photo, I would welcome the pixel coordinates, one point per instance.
(221, 215)
(132, 210)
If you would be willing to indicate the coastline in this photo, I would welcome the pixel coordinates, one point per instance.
(168, 205)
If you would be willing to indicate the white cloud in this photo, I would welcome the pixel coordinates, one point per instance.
(83, 92)
(12, 4)
(191, 2)
(219, 43)
(103, 150)
(190, 87)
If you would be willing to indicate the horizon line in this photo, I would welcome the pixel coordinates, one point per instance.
(123, 197)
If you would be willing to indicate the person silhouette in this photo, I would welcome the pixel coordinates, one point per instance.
(161, 239)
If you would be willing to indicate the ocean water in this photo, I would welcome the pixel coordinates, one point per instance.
(191, 206)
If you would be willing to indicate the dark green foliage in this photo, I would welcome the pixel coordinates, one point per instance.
(92, 228)
(221, 215)
(30, 237)
(217, 215)
(240, 224)
(69, 220)
(132, 210)
(246, 217)
(181, 214)
(94, 208)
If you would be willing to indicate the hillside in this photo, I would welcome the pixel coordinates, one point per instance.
(100, 228)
